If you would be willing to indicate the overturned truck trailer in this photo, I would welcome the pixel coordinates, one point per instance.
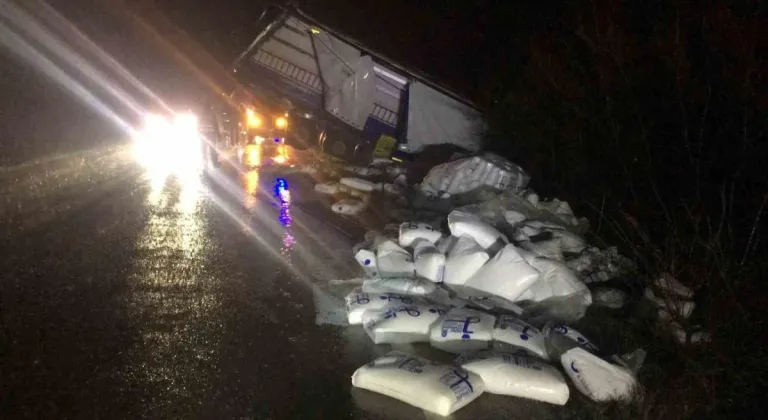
(347, 99)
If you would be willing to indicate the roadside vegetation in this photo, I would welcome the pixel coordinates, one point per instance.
(650, 119)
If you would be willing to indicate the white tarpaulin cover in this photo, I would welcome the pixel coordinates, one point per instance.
(434, 118)
(348, 78)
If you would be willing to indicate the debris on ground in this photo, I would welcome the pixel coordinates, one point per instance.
(475, 264)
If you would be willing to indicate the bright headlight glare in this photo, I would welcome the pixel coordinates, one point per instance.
(281, 122)
(252, 118)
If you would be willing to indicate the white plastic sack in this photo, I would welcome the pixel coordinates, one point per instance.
(348, 206)
(469, 174)
(393, 189)
(486, 302)
(506, 275)
(670, 285)
(463, 330)
(401, 285)
(357, 303)
(327, 188)
(464, 260)
(516, 332)
(362, 170)
(392, 260)
(572, 334)
(410, 232)
(609, 297)
(429, 262)
(434, 387)
(358, 184)
(556, 279)
(672, 306)
(401, 324)
(517, 375)
(596, 378)
(367, 260)
(466, 224)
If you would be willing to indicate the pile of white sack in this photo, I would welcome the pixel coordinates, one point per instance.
(468, 293)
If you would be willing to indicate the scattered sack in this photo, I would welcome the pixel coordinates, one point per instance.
(486, 302)
(667, 284)
(596, 378)
(359, 184)
(465, 258)
(401, 324)
(367, 260)
(362, 170)
(555, 279)
(609, 297)
(357, 303)
(410, 232)
(555, 334)
(462, 223)
(434, 387)
(429, 262)
(348, 206)
(327, 188)
(517, 375)
(506, 275)
(402, 285)
(672, 307)
(594, 265)
(392, 260)
(394, 189)
(514, 217)
(470, 174)
(463, 330)
(516, 332)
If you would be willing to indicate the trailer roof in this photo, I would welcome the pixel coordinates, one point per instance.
(417, 75)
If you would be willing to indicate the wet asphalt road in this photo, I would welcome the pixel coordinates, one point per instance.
(127, 294)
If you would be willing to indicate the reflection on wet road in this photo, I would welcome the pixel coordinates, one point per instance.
(142, 294)
(130, 294)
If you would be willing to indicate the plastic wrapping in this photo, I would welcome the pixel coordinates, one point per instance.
(469, 174)
(434, 387)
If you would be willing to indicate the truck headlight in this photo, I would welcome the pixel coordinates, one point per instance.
(252, 119)
(281, 122)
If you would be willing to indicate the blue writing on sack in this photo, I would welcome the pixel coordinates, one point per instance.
(460, 326)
